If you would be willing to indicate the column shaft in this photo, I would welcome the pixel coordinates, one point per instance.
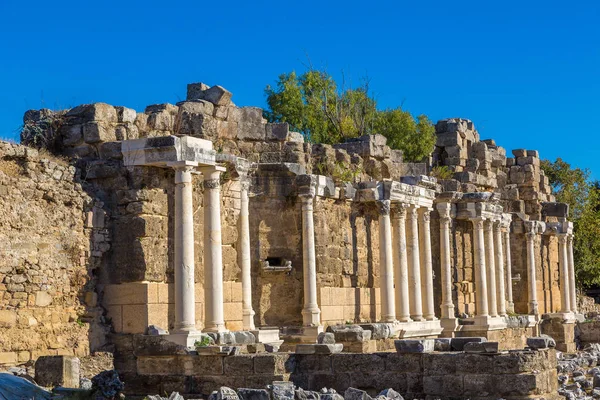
(531, 275)
(509, 293)
(500, 289)
(401, 265)
(245, 260)
(185, 302)
(426, 264)
(213, 252)
(491, 268)
(563, 258)
(386, 263)
(572, 289)
(481, 296)
(311, 314)
(414, 270)
(447, 307)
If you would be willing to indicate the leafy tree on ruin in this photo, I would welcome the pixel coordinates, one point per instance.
(325, 112)
(574, 187)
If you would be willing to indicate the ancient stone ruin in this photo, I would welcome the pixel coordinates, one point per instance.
(204, 247)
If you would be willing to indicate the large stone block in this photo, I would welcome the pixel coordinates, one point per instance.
(57, 371)
(100, 112)
(414, 345)
(217, 95)
(95, 132)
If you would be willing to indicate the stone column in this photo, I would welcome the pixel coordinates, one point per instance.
(499, 253)
(491, 268)
(213, 252)
(481, 296)
(533, 304)
(447, 306)
(509, 293)
(414, 270)
(401, 264)
(563, 258)
(185, 300)
(386, 263)
(311, 314)
(245, 260)
(572, 289)
(426, 264)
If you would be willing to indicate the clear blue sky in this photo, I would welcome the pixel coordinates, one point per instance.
(526, 72)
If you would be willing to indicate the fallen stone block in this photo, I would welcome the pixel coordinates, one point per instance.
(349, 333)
(481, 347)
(458, 344)
(218, 95)
(253, 394)
(414, 345)
(57, 371)
(538, 342)
(244, 337)
(326, 338)
(302, 394)
(195, 91)
(156, 330)
(224, 393)
(442, 344)
(282, 390)
(378, 330)
(356, 394)
(391, 394)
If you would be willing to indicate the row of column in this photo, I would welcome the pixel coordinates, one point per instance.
(493, 283)
(568, 294)
(405, 263)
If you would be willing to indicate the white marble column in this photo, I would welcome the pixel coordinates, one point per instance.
(572, 289)
(533, 304)
(426, 263)
(509, 293)
(401, 264)
(499, 253)
(447, 307)
(414, 269)
(185, 301)
(213, 252)
(481, 295)
(245, 260)
(311, 314)
(563, 258)
(386, 263)
(491, 268)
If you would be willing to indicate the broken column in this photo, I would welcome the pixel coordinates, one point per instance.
(386, 263)
(401, 264)
(245, 259)
(213, 255)
(414, 271)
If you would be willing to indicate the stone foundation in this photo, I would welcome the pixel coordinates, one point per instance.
(515, 375)
(563, 334)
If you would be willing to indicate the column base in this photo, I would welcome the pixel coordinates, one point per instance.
(311, 317)
(449, 326)
(186, 339)
(248, 320)
(216, 329)
(568, 318)
(302, 334)
(483, 323)
(418, 329)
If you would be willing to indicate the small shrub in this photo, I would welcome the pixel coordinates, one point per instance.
(441, 172)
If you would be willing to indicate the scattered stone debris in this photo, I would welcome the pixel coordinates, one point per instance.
(579, 374)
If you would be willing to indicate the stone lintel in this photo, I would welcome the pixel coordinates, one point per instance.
(159, 151)
(316, 185)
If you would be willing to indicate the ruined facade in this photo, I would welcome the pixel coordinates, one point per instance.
(201, 216)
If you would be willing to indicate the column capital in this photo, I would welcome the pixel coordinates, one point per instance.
(384, 207)
(570, 238)
(244, 184)
(399, 210)
(425, 214)
(412, 210)
(562, 238)
(477, 222)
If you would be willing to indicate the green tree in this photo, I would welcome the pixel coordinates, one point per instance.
(325, 112)
(574, 187)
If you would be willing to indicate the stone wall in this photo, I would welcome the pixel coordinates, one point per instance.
(515, 375)
(51, 234)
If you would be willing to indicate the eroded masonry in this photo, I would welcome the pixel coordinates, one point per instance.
(200, 217)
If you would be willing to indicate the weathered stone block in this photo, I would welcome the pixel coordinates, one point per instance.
(239, 365)
(94, 132)
(125, 114)
(217, 95)
(195, 91)
(72, 135)
(326, 338)
(57, 371)
(94, 112)
(458, 343)
(251, 131)
(414, 345)
(277, 131)
(481, 347)
(253, 394)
